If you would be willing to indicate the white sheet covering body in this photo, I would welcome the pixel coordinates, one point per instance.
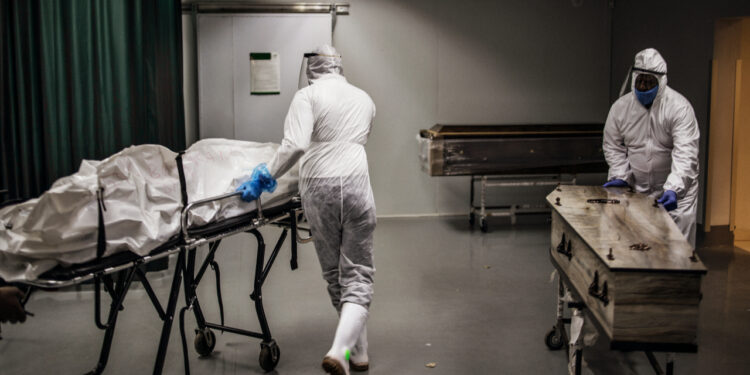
(141, 191)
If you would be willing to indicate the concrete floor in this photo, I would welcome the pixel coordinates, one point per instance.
(472, 303)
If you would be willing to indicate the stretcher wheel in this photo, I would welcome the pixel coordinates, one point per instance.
(472, 219)
(483, 225)
(554, 339)
(269, 355)
(205, 341)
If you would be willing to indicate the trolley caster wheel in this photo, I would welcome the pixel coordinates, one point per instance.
(483, 225)
(205, 341)
(269, 355)
(472, 219)
(553, 339)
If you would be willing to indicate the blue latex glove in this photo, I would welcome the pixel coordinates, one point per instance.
(260, 181)
(616, 183)
(668, 200)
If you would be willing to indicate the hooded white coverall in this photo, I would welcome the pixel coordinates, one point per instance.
(656, 149)
(327, 126)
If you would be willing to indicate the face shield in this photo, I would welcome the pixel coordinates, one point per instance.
(303, 80)
(316, 64)
(648, 61)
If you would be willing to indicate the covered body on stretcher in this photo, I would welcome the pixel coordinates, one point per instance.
(141, 204)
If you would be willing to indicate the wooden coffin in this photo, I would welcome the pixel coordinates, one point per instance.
(455, 150)
(644, 292)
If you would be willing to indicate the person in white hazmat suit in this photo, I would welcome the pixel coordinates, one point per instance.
(651, 142)
(327, 126)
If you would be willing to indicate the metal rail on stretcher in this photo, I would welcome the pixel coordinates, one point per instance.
(115, 275)
(190, 243)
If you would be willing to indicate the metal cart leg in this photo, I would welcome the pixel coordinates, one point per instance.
(575, 357)
(482, 199)
(191, 284)
(670, 363)
(269, 350)
(205, 339)
(118, 292)
(257, 295)
(657, 367)
(169, 313)
(557, 338)
(472, 211)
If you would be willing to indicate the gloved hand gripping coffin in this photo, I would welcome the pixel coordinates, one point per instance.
(621, 254)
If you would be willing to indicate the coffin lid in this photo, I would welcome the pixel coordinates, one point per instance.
(634, 220)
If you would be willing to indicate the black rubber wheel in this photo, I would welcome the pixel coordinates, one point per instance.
(472, 219)
(553, 339)
(205, 341)
(483, 225)
(269, 356)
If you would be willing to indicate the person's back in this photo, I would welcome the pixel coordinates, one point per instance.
(342, 116)
(327, 126)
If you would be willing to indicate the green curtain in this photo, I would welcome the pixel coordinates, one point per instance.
(83, 79)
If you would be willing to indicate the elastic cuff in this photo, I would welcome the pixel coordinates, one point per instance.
(679, 192)
(627, 178)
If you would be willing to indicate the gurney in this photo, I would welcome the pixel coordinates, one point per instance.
(115, 272)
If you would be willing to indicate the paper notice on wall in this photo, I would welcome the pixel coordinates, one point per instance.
(265, 73)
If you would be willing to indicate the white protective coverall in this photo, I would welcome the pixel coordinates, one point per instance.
(327, 126)
(656, 149)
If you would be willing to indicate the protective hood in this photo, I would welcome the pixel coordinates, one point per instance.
(648, 61)
(323, 60)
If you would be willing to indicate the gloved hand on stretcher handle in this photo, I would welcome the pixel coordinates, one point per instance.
(260, 181)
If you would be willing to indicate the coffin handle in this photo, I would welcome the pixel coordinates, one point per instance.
(595, 291)
(565, 250)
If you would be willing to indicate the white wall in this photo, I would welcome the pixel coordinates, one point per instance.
(493, 62)
(427, 62)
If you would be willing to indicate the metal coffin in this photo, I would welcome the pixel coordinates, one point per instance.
(644, 293)
(455, 150)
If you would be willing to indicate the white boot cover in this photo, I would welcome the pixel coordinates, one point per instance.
(359, 359)
(351, 323)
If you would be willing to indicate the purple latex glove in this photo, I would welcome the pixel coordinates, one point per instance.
(616, 183)
(668, 200)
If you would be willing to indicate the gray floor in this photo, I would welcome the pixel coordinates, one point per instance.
(471, 303)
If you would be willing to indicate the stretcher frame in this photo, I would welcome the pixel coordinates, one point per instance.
(115, 273)
(205, 339)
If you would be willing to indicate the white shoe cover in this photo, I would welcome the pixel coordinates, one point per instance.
(359, 353)
(351, 323)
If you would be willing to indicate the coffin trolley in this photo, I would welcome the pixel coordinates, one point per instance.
(506, 156)
(628, 267)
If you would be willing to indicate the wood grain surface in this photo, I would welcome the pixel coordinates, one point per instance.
(653, 295)
(634, 220)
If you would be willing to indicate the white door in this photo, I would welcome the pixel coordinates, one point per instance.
(226, 108)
